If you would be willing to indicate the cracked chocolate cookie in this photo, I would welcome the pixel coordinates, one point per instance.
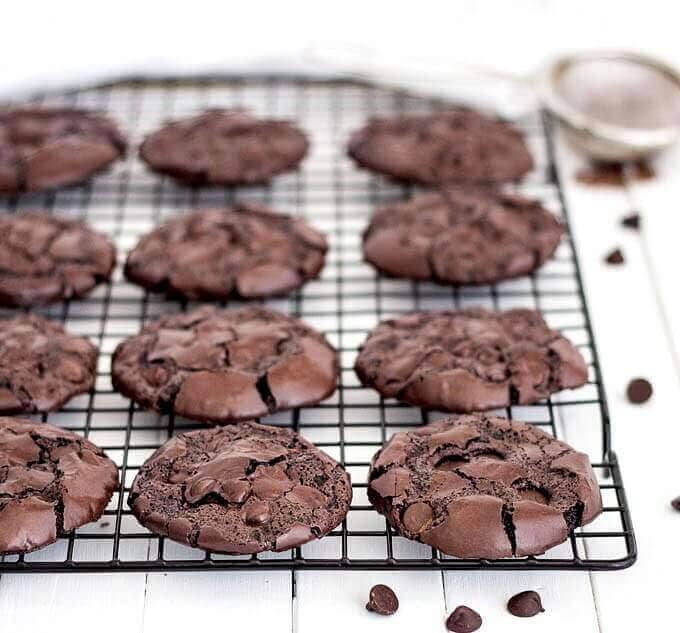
(224, 147)
(52, 481)
(459, 236)
(44, 148)
(476, 486)
(449, 146)
(45, 259)
(469, 360)
(41, 365)
(241, 489)
(247, 251)
(222, 366)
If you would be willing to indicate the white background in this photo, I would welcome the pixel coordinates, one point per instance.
(636, 307)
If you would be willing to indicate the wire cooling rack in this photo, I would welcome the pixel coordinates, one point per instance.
(347, 301)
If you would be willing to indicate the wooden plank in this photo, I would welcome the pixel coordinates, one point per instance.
(567, 599)
(336, 602)
(254, 601)
(632, 341)
(42, 602)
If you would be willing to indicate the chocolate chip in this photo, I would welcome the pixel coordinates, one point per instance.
(615, 257)
(676, 504)
(525, 604)
(463, 620)
(639, 391)
(417, 517)
(631, 221)
(382, 600)
(258, 513)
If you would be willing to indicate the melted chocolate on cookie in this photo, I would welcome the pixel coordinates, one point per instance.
(43, 148)
(461, 236)
(224, 147)
(469, 360)
(45, 259)
(41, 365)
(247, 251)
(449, 146)
(52, 481)
(225, 365)
(476, 486)
(243, 488)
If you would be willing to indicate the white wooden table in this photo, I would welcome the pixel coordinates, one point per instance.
(636, 314)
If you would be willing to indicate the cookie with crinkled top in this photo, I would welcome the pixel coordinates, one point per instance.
(246, 251)
(442, 147)
(52, 481)
(461, 236)
(469, 360)
(224, 147)
(45, 259)
(476, 486)
(222, 366)
(241, 489)
(45, 148)
(41, 365)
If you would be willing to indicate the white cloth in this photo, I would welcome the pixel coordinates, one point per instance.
(75, 42)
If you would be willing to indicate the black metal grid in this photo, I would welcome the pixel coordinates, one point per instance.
(345, 303)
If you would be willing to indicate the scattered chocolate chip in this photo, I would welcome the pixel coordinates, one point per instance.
(615, 257)
(525, 604)
(104, 524)
(639, 390)
(631, 221)
(676, 504)
(383, 600)
(463, 620)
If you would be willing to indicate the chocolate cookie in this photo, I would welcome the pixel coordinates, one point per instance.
(241, 489)
(476, 486)
(222, 366)
(45, 259)
(41, 365)
(246, 250)
(224, 147)
(52, 481)
(461, 236)
(43, 148)
(469, 360)
(449, 146)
